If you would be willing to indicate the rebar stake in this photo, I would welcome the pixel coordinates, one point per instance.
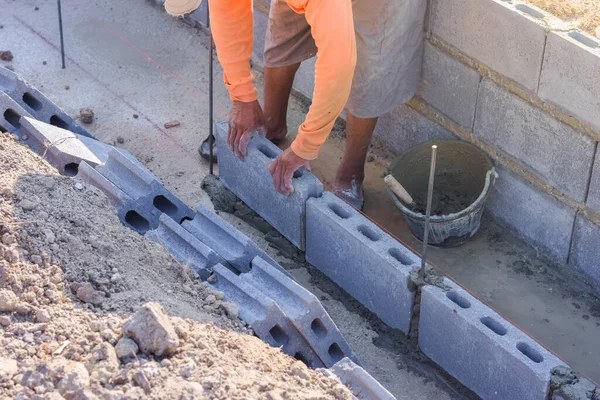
(62, 43)
(428, 211)
(211, 138)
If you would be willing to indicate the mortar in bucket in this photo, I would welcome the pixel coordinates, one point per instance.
(464, 177)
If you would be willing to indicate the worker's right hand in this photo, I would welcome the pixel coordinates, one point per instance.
(245, 118)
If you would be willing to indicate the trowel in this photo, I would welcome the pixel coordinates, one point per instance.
(399, 191)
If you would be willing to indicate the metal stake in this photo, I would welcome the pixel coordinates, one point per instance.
(428, 210)
(62, 43)
(211, 138)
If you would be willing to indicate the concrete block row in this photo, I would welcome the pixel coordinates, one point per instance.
(129, 175)
(235, 248)
(361, 383)
(10, 115)
(593, 200)
(518, 37)
(361, 258)
(557, 153)
(263, 315)
(251, 181)
(449, 86)
(516, 203)
(304, 311)
(569, 78)
(131, 214)
(479, 348)
(184, 246)
(585, 252)
(62, 148)
(38, 105)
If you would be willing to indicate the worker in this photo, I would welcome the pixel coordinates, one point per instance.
(382, 38)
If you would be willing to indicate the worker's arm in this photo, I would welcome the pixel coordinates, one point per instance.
(332, 28)
(232, 29)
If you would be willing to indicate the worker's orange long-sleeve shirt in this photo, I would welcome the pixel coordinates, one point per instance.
(332, 28)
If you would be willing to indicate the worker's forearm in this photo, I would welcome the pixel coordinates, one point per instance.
(232, 29)
(332, 27)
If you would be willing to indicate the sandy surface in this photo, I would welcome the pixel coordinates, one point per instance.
(584, 14)
(70, 277)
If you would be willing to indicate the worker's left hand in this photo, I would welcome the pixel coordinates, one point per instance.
(283, 168)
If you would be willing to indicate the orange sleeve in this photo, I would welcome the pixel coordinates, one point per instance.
(232, 28)
(332, 27)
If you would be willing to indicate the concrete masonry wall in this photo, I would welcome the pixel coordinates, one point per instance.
(507, 77)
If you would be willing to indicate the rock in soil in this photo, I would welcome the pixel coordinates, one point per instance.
(6, 55)
(172, 124)
(86, 115)
(152, 330)
(8, 300)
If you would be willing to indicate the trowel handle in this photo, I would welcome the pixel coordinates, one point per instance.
(398, 189)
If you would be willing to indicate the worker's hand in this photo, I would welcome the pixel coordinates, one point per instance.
(283, 168)
(245, 118)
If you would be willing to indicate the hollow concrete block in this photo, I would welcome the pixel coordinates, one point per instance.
(38, 105)
(479, 348)
(569, 78)
(10, 115)
(132, 214)
(251, 181)
(449, 86)
(522, 207)
(555, 152)
(129, 175)
(361, 258)
(304, 311)
(362, 384)
(184, 246)
(233, 246)
(263, 315)
(585, 252)
(471, 25)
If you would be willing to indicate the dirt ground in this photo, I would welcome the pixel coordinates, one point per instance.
(585, 14)
(71, 277)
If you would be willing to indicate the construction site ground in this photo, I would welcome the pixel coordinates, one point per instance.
(138, 69)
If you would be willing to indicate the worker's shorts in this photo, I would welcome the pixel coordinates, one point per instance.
(389, 44)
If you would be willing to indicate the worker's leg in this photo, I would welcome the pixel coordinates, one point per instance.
(351, 173)
(278, 86)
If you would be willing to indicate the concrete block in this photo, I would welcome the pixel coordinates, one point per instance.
(361, 258)
(251, 181)
(130, 213)
(303, 309)
(184, 246)
(593, 199)
(62, 148)
(404, 128)
(10, 115)
(449, 86)
(480, 349)
(232, 245)
(201, 14)
(524, 208)
(570, 78)
(471, 25)
(38, 105)
(554, 151)
(585, 252)
(263, 315)
(129, 175)
(362, 384)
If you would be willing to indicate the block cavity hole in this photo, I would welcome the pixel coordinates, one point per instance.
(267, 151)
(298, 174)
(300, 357)
(529, 10)
(339, 211)
(458, 299)
(400, 256)
(280, 337)
(32, 102)
(12, 117)
(138, 222)
(530, 352)
(185, 219)
(581, 38)
(369, 233)
(3, 129)
(318, 328)
(494, 326)
(57, 121)
(71, 169)
(165, 205)
(335, 352)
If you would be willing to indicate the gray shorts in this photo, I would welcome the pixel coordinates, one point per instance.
(389, 45)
